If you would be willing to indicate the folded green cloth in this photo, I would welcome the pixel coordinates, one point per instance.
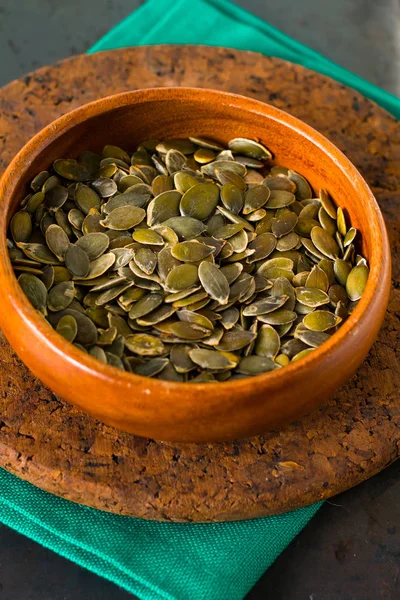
(221, 23)
(174, 561)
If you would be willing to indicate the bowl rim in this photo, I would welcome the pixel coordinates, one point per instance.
(57, 344)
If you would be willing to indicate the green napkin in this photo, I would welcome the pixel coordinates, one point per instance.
(220, 23)
(167, 560)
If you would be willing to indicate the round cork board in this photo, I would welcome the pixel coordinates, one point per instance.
(62, 450)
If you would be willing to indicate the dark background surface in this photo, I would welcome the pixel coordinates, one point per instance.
(351, 549)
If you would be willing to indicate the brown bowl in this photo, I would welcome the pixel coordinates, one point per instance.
(180, 411)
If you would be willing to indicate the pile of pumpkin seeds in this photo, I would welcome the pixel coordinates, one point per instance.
(186, 260)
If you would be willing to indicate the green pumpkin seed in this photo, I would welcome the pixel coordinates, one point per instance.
(71, 169)
(284, 224)
(268, 342)
(163, 207)
(100, 265)
(327, 204)
(21, 226)
(200, 201)
(349, 237)
(191, 251)
(214, 282)
(180, 358)
(38, 181)
(57, 241)
(303, 189)
(324, 242)
(356, 282)
(211, 359)
(185, 330)
(280, 183)
(77, 261)
(288, 242)
(35, 291)
(39, 253)
(104, 187)
(123, 218)
(186, 146)
(341, 222)
(67, 327)
(282, 316)
(148, 237)
(302, 354)
(321, 320)
(255, 198)
(151, 367)
(146, 260)
(145, 305)
(235, 339)
(311, 296)
(317, 278)
(341, 269)
(184, 180)
(61, 296)
(255, 365)
(182, 277)
(337, 293)
(232, 197)
(211, 168)
(264, 306)
(279, 199)
(93, 244)
(144, 344)
(185, 227)
(249, 148)
(231, 178)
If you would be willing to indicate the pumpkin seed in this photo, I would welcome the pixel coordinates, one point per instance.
(191, 251)
(144, 344)
(71, 169)
(200, 201)
(57, 240)
(302, 354)
(341, 222)
(77, 261)
(35, 291)
(182, 277)
(60, 296)
(185, 227)
(124, 217)
(67, 327)
(211, 359)
(255, 365)
(311, 296)
(163, 207)
(321, 320)
(349, 237)
(21, 226)
(255, 198)
(356, 282)
(327, 204)
(249, 148)
(268, 342)
(324, 242)
(214, 282)
(235, 339)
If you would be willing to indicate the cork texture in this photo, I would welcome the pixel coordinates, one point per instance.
(356, 434)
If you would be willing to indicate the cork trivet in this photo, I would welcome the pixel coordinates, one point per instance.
(60, 449)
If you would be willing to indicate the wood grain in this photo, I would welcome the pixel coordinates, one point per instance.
(58, 448)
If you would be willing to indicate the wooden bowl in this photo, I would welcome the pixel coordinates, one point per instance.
(179, 411)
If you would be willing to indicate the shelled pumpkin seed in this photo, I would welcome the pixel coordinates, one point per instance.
(186, 260)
